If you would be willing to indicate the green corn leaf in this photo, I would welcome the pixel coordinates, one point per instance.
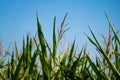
(18, 69)
(94, 67)
(55, 72)
(30, 47)
(90, 74)
(32, 64)
(51, 54)
(71, 55)
(116, 51)
(116, 36)
(75, 63)
(45, 68)
(41, 38)
(16, 51)
(62, 58)
(96, 43)
(19, 65)
(54, 41)
(8, 71)
(83, 60)
(12, 65)
(28, 52)
(116, 72)
(98, 62)
(43, 56)
(91, 41)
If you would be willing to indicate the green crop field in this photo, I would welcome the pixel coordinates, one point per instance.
(40, 61)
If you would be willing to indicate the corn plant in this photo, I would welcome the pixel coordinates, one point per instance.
(40, 61)
(107, 67)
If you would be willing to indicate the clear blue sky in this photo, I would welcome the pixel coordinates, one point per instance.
(18, 17)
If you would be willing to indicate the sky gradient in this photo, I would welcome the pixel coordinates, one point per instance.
(18, 17)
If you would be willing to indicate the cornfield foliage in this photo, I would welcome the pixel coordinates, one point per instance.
(39, 61)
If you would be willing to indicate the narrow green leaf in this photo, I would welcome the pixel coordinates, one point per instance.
(51, 54)
(32, 64)
(41, 38)
(18, 69)
(16, 51)
(12, 65)
(8, 71)
(116, 36)
(71, 55)
(116, 72)
(75, 63)
(54, 41)
(19, 65)
(62, 58)
(43, 56)
(98, 73)
(28, 51)
(91, 41)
